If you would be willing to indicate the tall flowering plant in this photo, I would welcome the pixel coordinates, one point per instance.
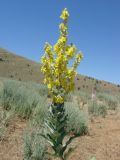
(59, 78)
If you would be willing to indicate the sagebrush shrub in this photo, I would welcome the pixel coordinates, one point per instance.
(97, 109)
(25, 102)
(110, 100)
(34, 145)
(77, 121)
(40, 112)
(7, 97)
(22, 97)
(5, 119)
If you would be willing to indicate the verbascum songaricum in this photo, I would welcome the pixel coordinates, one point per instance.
(59, 78)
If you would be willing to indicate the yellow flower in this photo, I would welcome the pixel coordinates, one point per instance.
(57, 82)
(43, 59)
(56, 48)
(43, 69)
(56, 72)
(79, 56)
(45, 81)
(47, 47)
(64, 14)
(62, 40)
(71, 73)
(63, 27)
(49, 86)
(58, 99)
(71, 51)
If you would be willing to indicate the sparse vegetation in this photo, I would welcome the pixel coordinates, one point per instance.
(97, 109)
(77, 119)
(5, 119)
(110, 100)
(118, 85)
(34, 145)
(82, 98)
(29, 100)
(23, 98)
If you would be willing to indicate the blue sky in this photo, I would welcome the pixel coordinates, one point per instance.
(94, 27)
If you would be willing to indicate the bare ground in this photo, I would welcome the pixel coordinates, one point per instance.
(103, 142)
(11, 148)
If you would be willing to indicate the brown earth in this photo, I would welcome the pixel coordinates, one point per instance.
(11, 147)
(103, 141)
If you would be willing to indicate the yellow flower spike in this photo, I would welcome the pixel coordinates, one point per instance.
(55, 63)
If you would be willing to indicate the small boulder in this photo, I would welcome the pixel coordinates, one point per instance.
(1, 59)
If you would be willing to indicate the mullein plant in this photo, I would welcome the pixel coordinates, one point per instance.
(59, 78)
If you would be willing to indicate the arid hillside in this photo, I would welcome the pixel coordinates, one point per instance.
(16, 67)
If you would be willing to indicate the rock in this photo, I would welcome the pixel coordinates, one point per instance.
(11, 76)
(1, 59)
(1, 87)
(28, 65)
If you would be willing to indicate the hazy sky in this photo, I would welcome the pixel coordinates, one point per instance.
(94, 27)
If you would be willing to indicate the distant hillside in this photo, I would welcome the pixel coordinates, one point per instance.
(16, 67)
